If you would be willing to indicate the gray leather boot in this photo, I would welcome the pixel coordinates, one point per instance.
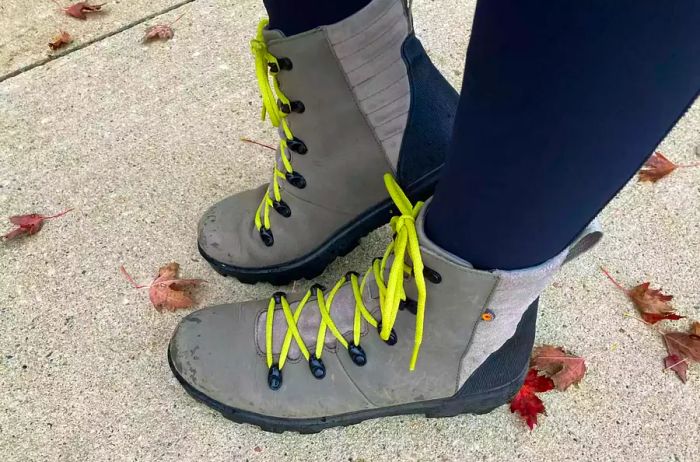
(351, 101)
(420, 332)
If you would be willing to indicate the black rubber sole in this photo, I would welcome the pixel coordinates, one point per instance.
(338, 245)
(460, 403)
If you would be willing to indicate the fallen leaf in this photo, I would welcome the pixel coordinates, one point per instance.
(526, 402)
(695, 328)
(61, 39)
(686, 346)
(29, 224)
(159, 31)
(656, 167)
(167, 291)
(563, 368)
(79, 10)
(677, 365)
(652, 304)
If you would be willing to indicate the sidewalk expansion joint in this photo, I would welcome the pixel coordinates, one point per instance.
(48, 59)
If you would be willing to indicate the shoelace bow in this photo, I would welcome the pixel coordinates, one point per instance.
(266, 66)
(391, 292)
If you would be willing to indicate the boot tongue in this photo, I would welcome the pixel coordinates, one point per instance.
(342, 313)
(271, 35)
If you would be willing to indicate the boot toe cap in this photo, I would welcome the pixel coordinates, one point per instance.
(226, 231)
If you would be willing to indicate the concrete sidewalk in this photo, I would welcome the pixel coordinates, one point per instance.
(139, 139)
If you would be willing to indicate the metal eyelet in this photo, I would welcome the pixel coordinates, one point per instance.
(488, 315)
(298, 107)
(296, 180)
(298, 146)
(282, 208)
(285, 64)
(409, 305)
(285, 108)
(277, 296)
(357, 354)
(266, 236)
(318, 369)
(274, 377)
(432, 275)
(393, 338)
(316, 287)
(293, 106)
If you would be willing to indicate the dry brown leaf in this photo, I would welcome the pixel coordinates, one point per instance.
(79, 10)
(167, 291)
(159, 31)
(564, 369)
(656, 167)
(686, 346)
(652, 304)
(695, 328)
(59, 40)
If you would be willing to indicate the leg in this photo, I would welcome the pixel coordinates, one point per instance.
(561, 103)
(294, 17)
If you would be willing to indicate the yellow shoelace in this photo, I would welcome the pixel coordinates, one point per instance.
(270, 95)
(391, 292)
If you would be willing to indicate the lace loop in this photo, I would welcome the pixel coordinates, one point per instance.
(391, 291)
(267, 67)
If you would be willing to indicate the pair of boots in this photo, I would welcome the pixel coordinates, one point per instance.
(420, 331)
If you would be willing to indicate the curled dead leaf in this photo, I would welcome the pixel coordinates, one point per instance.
(61, 39)
(159, 31)
(167, 291)
(81, 9)
(29, 224)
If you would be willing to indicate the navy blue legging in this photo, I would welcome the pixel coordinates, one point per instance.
(562, 101)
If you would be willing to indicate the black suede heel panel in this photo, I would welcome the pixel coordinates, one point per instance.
(430, 119)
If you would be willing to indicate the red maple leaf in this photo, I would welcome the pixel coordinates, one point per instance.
(526, 402)
(563, 368)
(29, 224)
(652, 304)
(167, 291)
(657, 167)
